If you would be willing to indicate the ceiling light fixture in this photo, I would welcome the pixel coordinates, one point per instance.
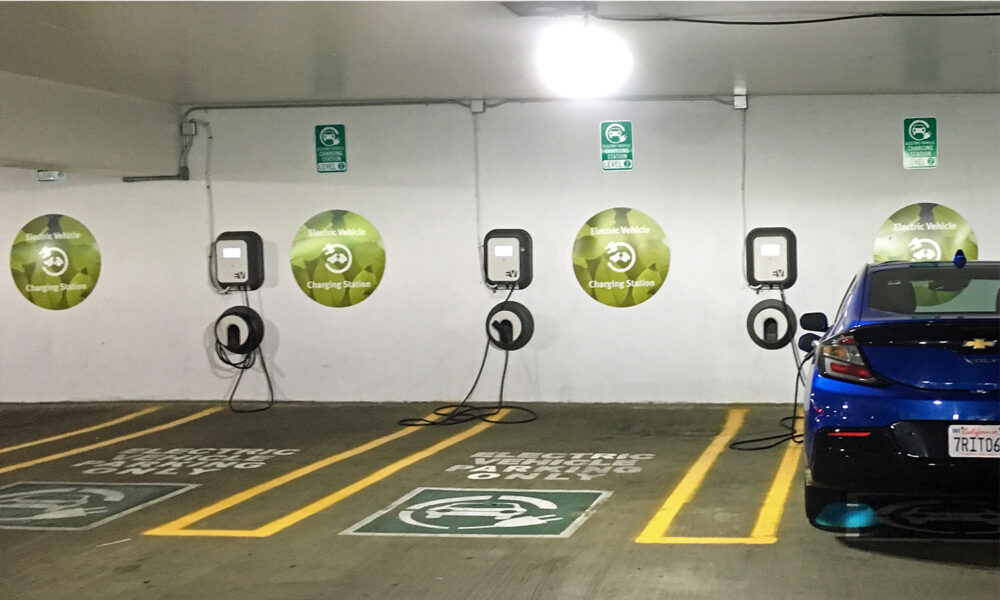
(579, 60)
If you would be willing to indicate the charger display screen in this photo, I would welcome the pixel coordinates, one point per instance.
(231, 252)
(770, 249)
(503, 250)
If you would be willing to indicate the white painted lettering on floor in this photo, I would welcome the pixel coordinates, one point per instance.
(550, 466)
(182, 461)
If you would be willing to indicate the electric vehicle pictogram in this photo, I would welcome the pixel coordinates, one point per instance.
(615, 134)
(920, 130)
(338, 258)
(328, 136)
(54, 261)
(925, 249)
(461, 513)
(618, 254)
(53, 504)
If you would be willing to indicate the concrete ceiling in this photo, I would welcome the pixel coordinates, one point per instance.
(191, 53)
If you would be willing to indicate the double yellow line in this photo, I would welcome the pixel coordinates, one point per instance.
(765, 530)
(179, 526)
(95, 446)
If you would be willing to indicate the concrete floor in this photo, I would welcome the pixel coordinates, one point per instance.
(271, 524)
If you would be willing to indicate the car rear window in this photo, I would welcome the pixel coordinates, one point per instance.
(936, 290)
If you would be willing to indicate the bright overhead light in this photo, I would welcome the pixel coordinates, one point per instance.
(580, 60)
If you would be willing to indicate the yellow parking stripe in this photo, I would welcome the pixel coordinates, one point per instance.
(774, 504)
(177, 527)
(68, 434)
(653, 533)
(764, 531)
(121, 438)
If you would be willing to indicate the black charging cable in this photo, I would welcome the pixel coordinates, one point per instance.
(243, 365)
(788, 423)
(463, 412)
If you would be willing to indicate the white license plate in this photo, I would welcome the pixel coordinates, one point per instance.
(974, 441)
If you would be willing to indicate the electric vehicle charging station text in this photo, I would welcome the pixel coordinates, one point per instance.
(238, 260)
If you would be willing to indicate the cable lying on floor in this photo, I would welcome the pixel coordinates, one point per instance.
(463, 412)
(787, 423)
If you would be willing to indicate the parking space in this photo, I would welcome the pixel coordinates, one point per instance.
(314, 501)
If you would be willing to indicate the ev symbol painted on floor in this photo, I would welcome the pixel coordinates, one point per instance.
(57, 505)
(483, 512)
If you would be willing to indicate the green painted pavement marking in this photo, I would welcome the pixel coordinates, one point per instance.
(464, 512)
(77, 505)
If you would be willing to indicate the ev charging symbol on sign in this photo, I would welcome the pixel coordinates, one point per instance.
(54, 261)
(620, 253)
(616, 145)
(337, 254)
(925, 249)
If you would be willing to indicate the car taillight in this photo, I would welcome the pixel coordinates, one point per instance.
(840, 359)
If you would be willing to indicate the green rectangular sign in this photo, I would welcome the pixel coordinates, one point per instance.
(331, 148)
(616, 145)
(464, 512)
(920, 143)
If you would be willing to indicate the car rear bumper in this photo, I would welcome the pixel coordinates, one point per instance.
(906, 458)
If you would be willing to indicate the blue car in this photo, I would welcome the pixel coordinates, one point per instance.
(903, 391)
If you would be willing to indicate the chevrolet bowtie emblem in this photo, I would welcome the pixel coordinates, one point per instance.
(979, 344)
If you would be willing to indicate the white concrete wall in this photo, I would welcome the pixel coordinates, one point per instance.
(50, 125)
(827, 167)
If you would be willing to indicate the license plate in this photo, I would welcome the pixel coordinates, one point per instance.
(974, 441)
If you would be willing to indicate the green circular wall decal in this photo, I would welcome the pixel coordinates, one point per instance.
(620, 257)
(338, 258)
(55, 262)
(924, 232)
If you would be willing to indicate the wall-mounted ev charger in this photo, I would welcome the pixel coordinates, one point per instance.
(507, 258)
(771, 257)
(238, 260)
